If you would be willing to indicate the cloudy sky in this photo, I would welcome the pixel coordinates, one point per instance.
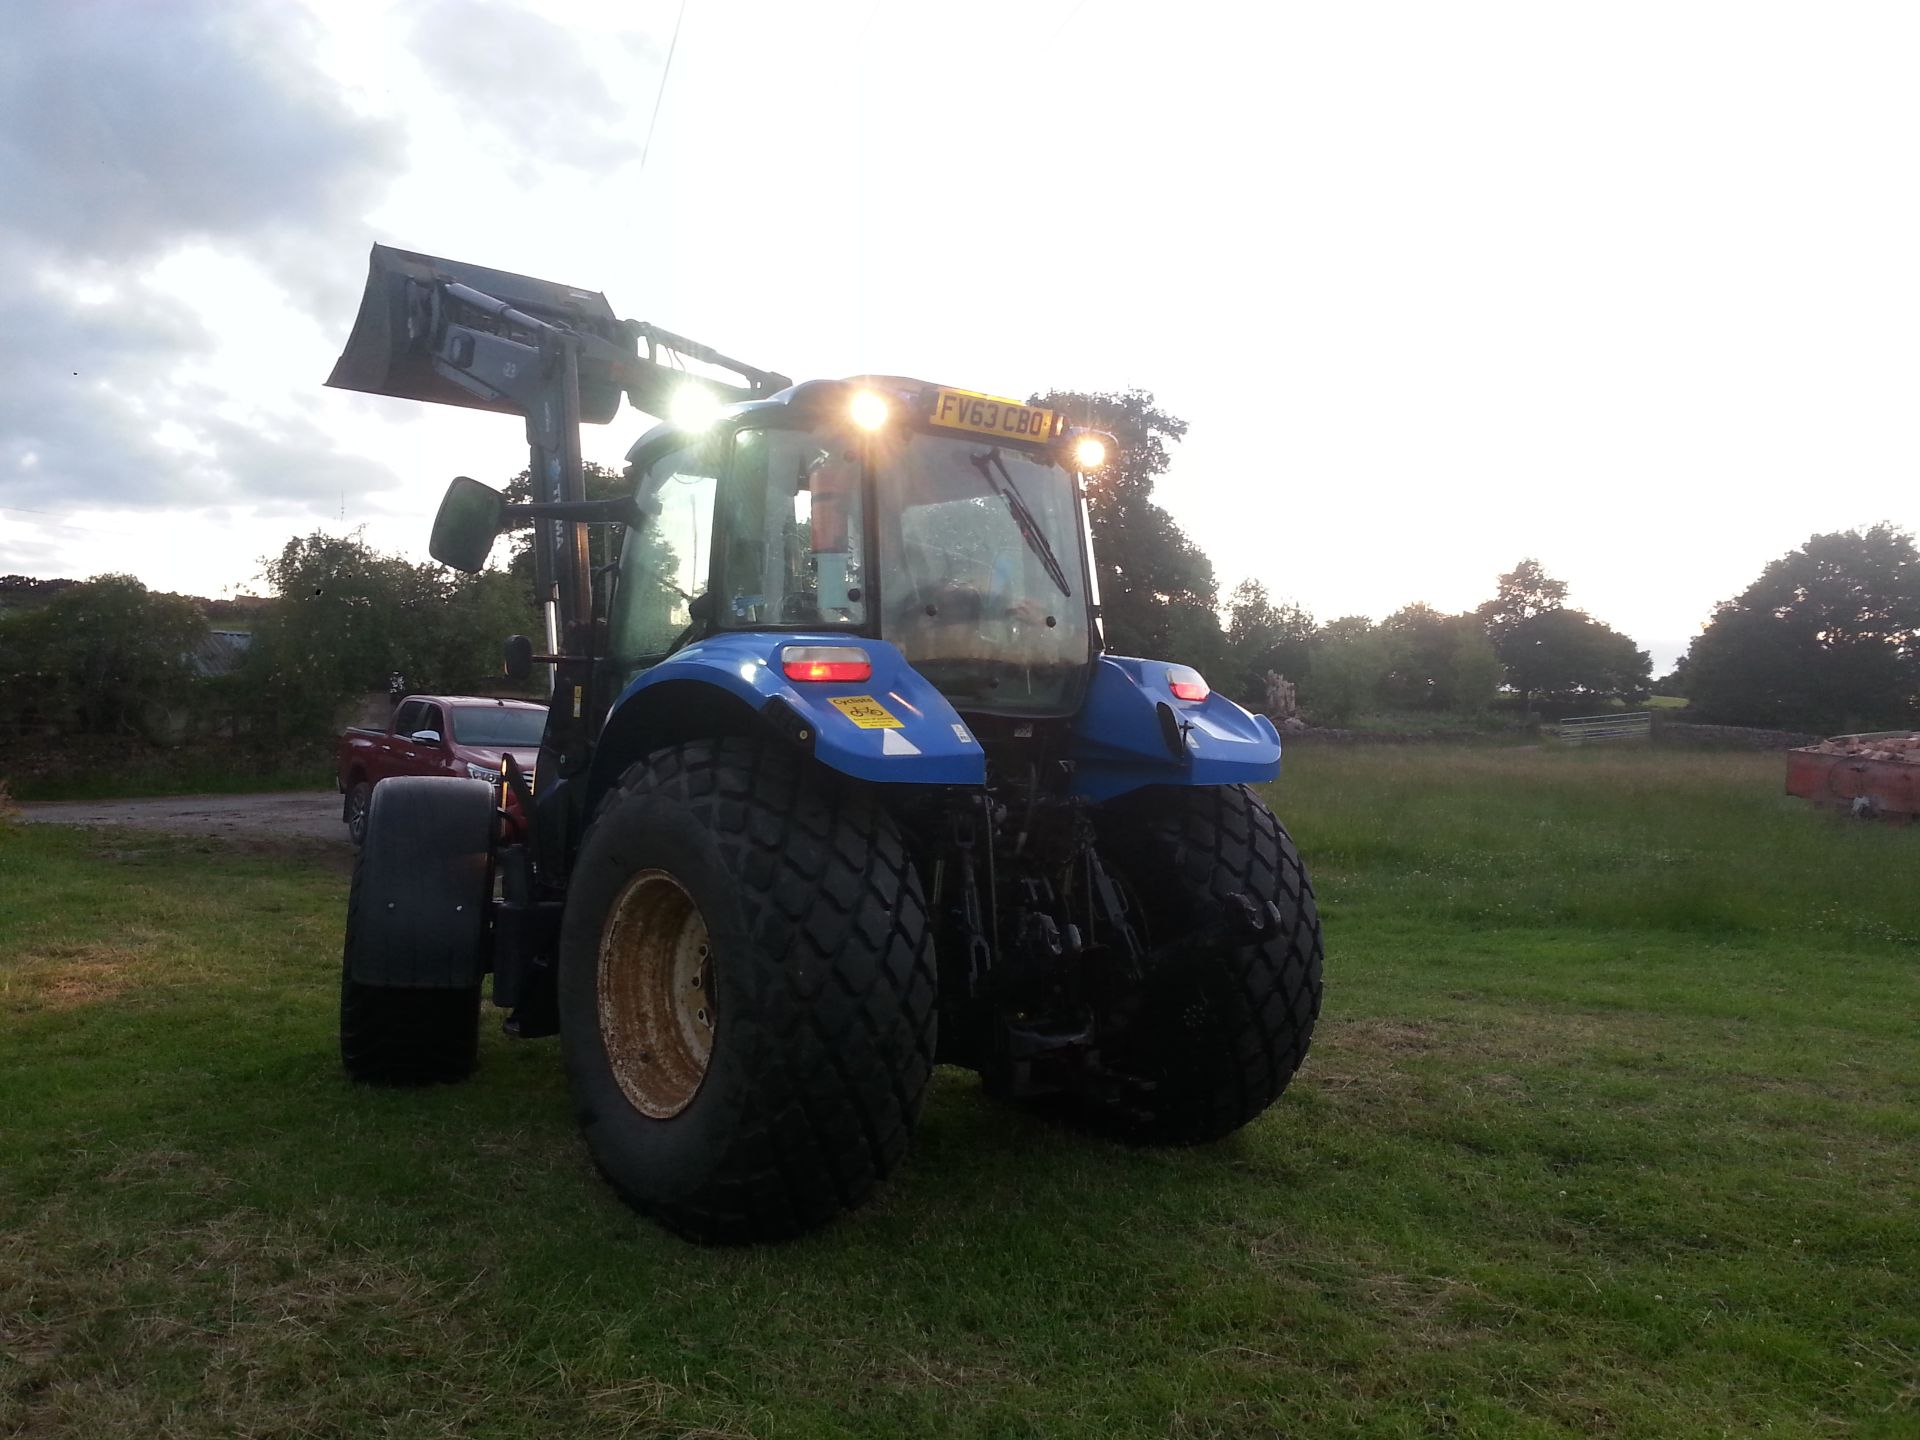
(1633, 288)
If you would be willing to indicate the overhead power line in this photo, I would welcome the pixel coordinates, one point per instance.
(661, 93)
(57, 524)
(1066, 20)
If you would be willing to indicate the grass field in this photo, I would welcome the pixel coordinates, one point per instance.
(1611, 1129)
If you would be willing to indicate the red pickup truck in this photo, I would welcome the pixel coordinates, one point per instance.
(458, 735)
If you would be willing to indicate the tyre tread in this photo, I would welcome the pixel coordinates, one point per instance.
(1221, 842)
(401, 1035)
(844, 1030)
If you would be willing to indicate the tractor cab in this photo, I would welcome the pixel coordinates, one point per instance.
(948, 524)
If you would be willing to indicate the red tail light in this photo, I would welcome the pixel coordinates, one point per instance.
(1186, 684)
(841, 664)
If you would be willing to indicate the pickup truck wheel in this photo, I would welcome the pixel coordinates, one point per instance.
(1214, 1035)
(359, 799)
(746, 992)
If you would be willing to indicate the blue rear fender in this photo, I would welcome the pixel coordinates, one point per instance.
(1133, 731)
(896, 729)
(893, 728)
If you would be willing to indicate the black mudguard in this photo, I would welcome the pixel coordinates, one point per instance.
(425, 884)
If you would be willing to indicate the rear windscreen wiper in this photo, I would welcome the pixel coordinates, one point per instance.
(986, 462)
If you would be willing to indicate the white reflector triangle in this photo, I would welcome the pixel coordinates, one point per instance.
(892, 742)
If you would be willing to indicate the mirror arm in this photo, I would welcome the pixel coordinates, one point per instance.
(618, 511)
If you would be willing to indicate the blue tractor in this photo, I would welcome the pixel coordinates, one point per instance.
(837, 784)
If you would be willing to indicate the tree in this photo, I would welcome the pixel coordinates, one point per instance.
(454, 626)
(1419, 657)
(603, 482)
(1569, 654)
(332, 632)
(1828, 638)
(1158, 594)
(346, 616)
(99, 657)
(1522, 593)
(1474, 669)
(1262, 637)
(1677, 681)
(1351, 657)
(1546, 648)
(29, 590)
(1437, 661)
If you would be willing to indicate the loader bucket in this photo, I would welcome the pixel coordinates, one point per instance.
(388, 351)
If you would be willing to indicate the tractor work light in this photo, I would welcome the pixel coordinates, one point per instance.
(869, 411)
(1089, 452)
(1185, 683)
(842, 664)
(694, 407)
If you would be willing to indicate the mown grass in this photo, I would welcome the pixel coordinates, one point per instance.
(1610, 1130)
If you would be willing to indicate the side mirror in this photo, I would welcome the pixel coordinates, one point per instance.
(425, 737)
(471, 517)
(518, 662)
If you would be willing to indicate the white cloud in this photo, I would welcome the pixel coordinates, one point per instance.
(132, 138)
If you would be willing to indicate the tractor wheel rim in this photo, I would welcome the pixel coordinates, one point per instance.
(657, 1012)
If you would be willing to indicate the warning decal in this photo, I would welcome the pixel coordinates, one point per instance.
(865, 711)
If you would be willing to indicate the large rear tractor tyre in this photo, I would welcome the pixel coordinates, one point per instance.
(746, 992)
(416, 933)
(1219, 1030)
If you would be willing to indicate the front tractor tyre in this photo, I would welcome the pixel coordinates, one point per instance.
(746, 992)
(417, 933)
(1226, 1010)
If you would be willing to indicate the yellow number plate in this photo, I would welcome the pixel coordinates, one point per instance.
(988, 415)
(865, 711)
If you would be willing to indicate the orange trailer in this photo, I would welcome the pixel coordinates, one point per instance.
(1872, 774)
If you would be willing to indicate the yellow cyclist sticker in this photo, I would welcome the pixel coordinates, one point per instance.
(865, 711)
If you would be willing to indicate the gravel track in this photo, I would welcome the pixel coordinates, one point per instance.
(292, 815)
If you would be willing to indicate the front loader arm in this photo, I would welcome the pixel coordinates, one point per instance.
(457, 334)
